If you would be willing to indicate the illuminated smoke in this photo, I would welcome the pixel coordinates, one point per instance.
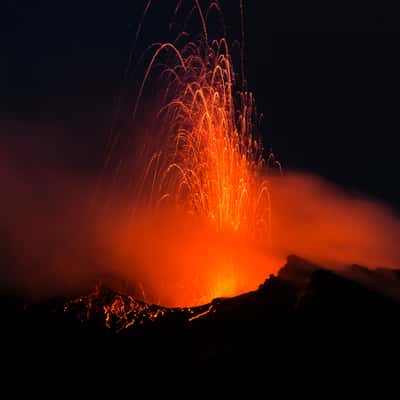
(202, 216)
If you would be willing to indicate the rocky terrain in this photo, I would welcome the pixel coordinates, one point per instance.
(306, 329)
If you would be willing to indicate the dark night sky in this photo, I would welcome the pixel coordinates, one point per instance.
(326, 79)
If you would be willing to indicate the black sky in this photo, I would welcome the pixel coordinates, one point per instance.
(325, 77)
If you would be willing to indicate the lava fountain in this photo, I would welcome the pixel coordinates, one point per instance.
(212, 168)
(205, 180)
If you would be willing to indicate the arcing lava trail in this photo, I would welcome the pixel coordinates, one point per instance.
(205, 167)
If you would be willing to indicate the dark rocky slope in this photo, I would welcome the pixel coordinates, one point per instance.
(303, 330)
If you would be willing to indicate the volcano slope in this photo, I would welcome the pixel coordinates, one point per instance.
(304, 329)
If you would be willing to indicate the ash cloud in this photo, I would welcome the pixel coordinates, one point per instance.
(318, 220)
(56, 240)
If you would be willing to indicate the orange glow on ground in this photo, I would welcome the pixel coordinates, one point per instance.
(180, 261)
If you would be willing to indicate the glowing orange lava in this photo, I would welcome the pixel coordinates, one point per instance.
(205, 176)
(212, 166)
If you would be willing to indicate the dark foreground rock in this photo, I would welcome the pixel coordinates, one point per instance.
(305, 330)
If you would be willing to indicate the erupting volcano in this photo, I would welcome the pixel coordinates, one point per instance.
(207, 258)
(205, 166)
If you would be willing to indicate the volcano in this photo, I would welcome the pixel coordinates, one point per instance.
(307, 325)
(182, 198)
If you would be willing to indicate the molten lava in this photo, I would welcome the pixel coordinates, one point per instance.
(202, 186)
(211, 168)
(119, 311)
